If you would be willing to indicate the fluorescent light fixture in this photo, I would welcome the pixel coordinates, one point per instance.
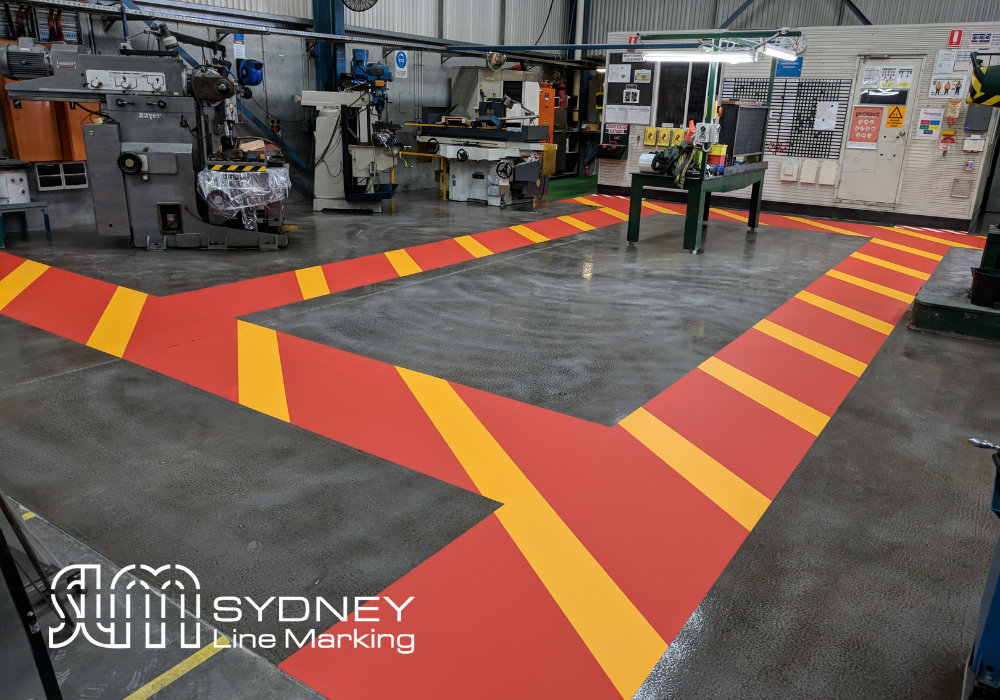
(700, 56)
(779, 53)
(602, 70)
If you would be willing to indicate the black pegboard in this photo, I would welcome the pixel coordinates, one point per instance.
(793, 113)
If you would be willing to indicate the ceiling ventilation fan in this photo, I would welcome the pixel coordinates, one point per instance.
(359, 5)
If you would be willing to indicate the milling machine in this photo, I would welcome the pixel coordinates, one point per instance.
(355, 149)
(157, 173)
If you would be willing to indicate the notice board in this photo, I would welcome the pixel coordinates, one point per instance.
(629, 89)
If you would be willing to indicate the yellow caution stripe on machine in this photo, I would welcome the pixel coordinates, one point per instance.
(240, 168)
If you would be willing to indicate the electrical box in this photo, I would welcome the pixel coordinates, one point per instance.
(809, 172)
(706, 132)
(790, 170)
(977, 118)
(974, 144)
(828, 173)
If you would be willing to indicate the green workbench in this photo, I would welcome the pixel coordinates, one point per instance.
(698, 202)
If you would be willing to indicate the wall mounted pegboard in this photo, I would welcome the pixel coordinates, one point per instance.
(791, 123)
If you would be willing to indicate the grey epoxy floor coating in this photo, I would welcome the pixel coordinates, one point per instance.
(862, 580)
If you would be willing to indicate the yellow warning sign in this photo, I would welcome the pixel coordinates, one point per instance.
(894, 120)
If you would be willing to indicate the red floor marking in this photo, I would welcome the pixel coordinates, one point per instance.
(349, 274)
(615, 203)
(554, 228)
(351, 399)
(860, 299)
(753, 442)
(899, 257)
(246, 297)
(63, 303)
(484, 626)
(660, 540)
(166, 322)
(848, 337)
(800, 375)
(880, 275)
(598, 218)
(9, 263)
(209, 364)
(502, 239)
(439, 254)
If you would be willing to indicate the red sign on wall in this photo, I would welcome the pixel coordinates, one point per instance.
(866, 121)
(955, 39)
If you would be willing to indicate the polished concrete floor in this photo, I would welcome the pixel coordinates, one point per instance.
(862, 579)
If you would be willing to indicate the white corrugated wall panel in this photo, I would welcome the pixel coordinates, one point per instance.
(525, 19)
(833, 52)
(478, 21)
(403, 16)
(631, 15)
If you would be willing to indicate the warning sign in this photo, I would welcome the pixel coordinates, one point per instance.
(895, 118)
(866, 121)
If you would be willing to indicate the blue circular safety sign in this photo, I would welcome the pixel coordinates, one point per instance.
(401, 59)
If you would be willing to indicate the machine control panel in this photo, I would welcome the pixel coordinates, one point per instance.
(706, 132)
(126, 81)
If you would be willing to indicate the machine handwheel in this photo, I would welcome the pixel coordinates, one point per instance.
(433, 146)
(504, 169)
(463, 155)
(129, 163)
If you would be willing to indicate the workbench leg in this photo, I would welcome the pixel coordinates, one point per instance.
(693, 219)
(634, 210)
(3, 234)
(48, 229)
(756, 191)
(708, 206)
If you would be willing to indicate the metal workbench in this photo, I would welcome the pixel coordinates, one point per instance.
(699, 189)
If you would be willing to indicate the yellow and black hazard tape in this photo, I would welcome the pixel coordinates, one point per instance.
(240, 168)
(985, 84)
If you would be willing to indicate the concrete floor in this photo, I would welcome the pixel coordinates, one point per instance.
(862, 579)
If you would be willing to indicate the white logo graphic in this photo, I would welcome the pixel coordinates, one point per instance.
(108, 624)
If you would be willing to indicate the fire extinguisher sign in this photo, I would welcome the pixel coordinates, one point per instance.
(955, 39)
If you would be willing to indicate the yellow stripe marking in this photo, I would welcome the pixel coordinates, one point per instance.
(744, 219)
(662, 210)
(113, 331)
(892, 266)
(907, 249)
(811, 347)
(881, 289)
(613, 212)
(589, 203)
(216, 167)
(791, 409)
(165, 679)
(247, 167)
(740, 500)
(474, 247)
(576, 223)
(826, 227)
(232, 167)
(402, 263)
(845, 312)
(312, 282)
(917, 234)
(261, 383)
(528, 233)
(623, 642)
(27, 516)
(19, 279)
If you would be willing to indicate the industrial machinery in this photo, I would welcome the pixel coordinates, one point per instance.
(355, 149)
(499, 158)
(165, 167)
